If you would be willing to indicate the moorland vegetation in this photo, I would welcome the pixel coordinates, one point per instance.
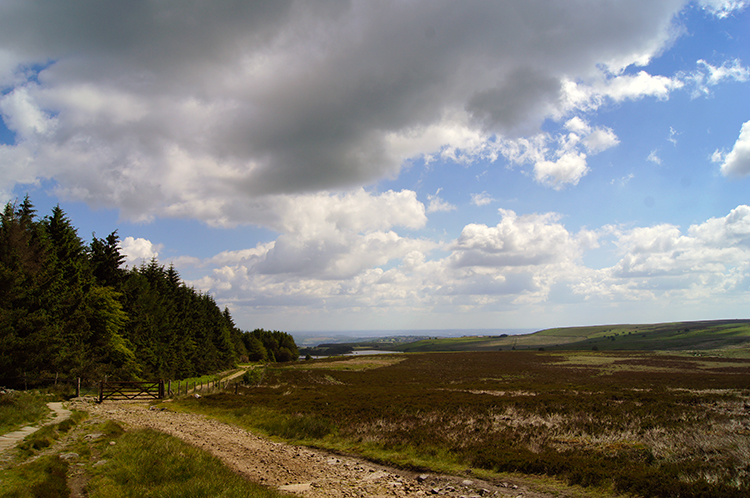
(644, 424)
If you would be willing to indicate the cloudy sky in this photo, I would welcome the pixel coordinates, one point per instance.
(332, 165)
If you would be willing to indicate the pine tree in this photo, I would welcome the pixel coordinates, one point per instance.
(28, 337)
(106, 261)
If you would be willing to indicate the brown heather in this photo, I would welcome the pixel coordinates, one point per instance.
(639, 423)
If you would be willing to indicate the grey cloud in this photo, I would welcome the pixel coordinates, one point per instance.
(525, 96)
(291, 96)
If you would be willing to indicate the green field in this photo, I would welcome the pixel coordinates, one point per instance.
(679, 336)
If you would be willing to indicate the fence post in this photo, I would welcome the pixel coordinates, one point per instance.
(101, 391)
(78, 387)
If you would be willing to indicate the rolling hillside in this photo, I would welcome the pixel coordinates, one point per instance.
(678, 336)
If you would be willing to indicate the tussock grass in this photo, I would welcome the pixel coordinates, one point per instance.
(42, 478)
(18, 409)
(47, 435)
(147, 463)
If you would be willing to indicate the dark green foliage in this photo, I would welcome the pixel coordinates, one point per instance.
(253, 377)
(70, 309)
(264, 345)
(106, 261)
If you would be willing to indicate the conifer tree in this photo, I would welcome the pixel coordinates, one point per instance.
(106, 261)
(72, 309)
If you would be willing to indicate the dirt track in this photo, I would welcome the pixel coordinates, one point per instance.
(59, 413)
(298, 470)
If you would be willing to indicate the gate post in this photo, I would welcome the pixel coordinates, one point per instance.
(101, 391)
(161, 388)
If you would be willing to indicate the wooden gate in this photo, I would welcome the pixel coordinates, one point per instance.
(115, 390)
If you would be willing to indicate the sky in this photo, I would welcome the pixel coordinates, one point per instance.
(397, 165)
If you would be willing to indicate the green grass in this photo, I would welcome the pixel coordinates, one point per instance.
(19, 409)
(47, 435)
(120, 464)
(721, 336)
(146, 463)
(42, 478)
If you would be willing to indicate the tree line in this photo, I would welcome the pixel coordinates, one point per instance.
(72, 309)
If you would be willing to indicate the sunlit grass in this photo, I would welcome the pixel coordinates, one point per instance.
(19, 409)
(349, 363)
(147, 463)
(47, 435)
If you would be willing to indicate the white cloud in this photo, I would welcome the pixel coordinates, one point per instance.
(138, 250)
(481, 199)
(661, 262)
(23, 116)
(673, 136)
(707, 76)
(519, 259)
(724, 8)
(600, 140)
(333, 236)
(737, 161)
(624, 180)
(653, 157)
(568, 169)
(529, 259)
(437, 204)
(515, 241)
(578, 125)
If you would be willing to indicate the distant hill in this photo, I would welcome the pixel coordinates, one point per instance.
(677, 336)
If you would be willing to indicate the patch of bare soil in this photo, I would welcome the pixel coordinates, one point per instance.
(298, 470)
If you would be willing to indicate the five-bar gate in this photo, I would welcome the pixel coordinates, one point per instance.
(118, 390)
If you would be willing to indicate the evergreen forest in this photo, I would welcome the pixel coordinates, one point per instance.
(72, 309)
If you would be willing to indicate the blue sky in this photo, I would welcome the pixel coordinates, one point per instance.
(398, 165)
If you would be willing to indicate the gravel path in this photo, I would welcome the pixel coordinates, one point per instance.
(298, 470)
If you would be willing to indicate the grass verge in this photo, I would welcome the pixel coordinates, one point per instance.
(104, 461)
(18, 409)
(147, 463)
(47, 435)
